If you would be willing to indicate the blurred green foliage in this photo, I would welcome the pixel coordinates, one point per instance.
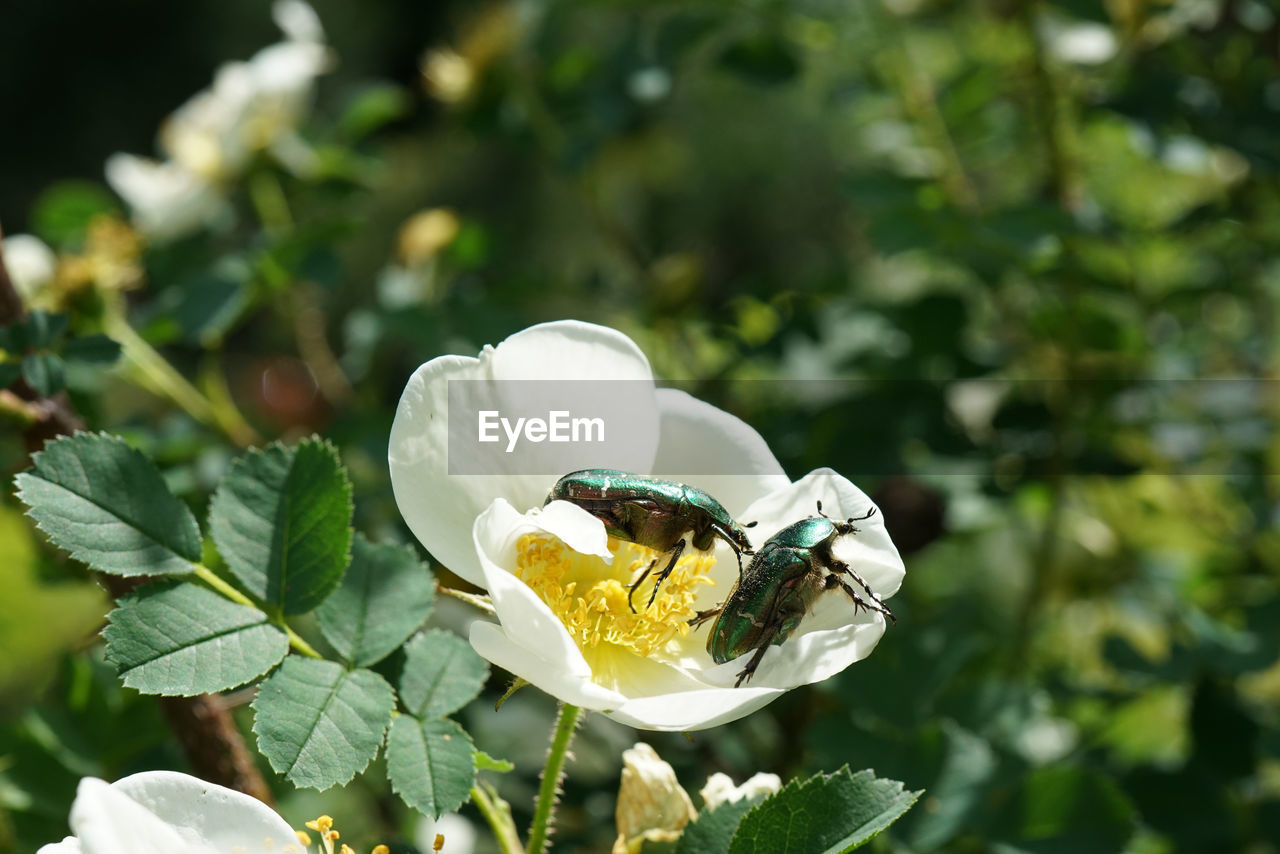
(1009, 266)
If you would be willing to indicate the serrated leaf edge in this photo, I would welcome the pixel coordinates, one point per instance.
(22, 476)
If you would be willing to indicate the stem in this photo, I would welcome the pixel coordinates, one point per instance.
(919, 99)
(270, 203)
(162, 378)
(313, 345)
(552, 774)
(484, 603)
(497, 812)
(209, 577)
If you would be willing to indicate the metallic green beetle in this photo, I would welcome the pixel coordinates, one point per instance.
(654, 513)
(787, 575)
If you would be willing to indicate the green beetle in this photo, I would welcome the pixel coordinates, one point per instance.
(779, 587)
(654, 513)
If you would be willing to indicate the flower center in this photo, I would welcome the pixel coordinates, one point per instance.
(590, 597)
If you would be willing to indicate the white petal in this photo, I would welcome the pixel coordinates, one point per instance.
(870, 552)
(289, 67)
(298, 20)
(523, 614)
(813, 654)
(439, 507)
(167, 200)
(720, 453)
(30, 262)
(70, 845)
(107, 821)
(693, 710)
(518, 658)
(835, 634)
(223, 818)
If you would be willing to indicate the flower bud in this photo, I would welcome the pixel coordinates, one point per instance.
(651, 804)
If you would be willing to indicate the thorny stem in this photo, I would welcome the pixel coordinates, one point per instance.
(162, 378)
(552, 774)
(220, 586)
(497, 813)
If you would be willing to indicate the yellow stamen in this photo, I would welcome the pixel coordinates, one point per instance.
(438, 844)
(380, 849)
(323, 824)
(590, 596)
(346, 849)
(304, 838)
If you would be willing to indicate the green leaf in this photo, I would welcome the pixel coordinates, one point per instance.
(431, 764)
(828, 813)
(62, 213)
(384, 597)
(107, 505)
(485, 762)
(712, 830)
(372, 108)
(91, 350)
(441, 673)
(181, 639)
(43, 328)
(9, 373)
(44, 373)
(319, 724)
(282, 521)
(1059, 809)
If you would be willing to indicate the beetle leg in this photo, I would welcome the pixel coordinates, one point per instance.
(662, 576)
(834, 581)
(632, 589)
(702, 616)
(879, 605)
(748, 671)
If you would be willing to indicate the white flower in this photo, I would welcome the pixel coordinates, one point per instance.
(162, 812)
(1079, 42)
(459, 834)
(252, 106)
(167, 199)
(559, 584)
(30, 263)
(720, 789)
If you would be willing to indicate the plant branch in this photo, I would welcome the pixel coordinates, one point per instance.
(497, 813)
(552, 774)
(157, 374)
(221, 586)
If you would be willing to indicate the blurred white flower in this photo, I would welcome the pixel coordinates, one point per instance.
(31, 264)
(167, 200)
(720, 788)
(252, 106)
(652, 806)
(459, 834)
(447, 74)
(559, 583)
(1079, 42)
(162, 812)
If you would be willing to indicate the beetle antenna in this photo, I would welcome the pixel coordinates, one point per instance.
(752, 524)
(820, 513)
